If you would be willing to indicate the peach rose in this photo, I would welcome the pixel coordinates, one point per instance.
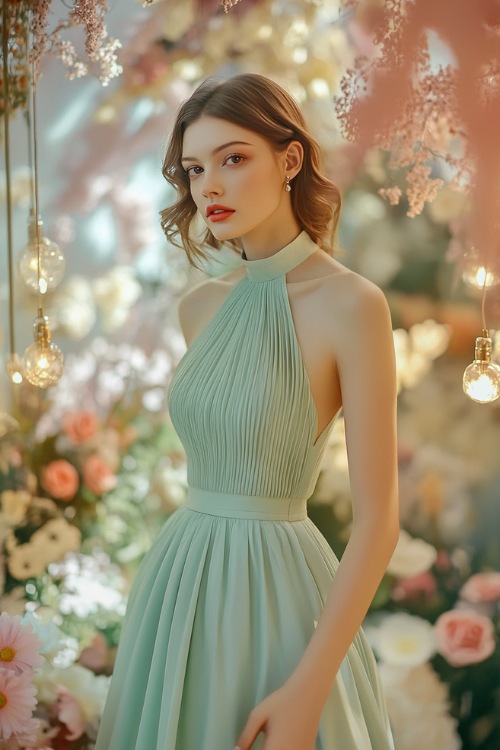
(80, 426)
(69, 712)
(97, 475)
(464, 637)
(482, 587)
(60, 480)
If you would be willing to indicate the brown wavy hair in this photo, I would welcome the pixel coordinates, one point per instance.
(262, 106)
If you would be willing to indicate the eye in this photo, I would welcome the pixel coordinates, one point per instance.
(234, 159)
(194, 170)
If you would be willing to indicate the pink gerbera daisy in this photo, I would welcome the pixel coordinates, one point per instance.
(19, 646)
(17, 701)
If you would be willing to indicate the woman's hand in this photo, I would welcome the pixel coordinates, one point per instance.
(286, 720)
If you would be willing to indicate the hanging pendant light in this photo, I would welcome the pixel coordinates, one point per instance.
(42, 361)
(481, 381)
(52, 261)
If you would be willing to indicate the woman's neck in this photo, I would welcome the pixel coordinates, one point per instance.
(262, 243)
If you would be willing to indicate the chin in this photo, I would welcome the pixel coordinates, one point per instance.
(223, 234)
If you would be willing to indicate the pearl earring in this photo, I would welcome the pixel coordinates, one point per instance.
(287, 184)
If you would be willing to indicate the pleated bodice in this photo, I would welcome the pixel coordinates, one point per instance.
(240, 399)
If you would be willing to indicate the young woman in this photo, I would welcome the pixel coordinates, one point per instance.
(242, 629)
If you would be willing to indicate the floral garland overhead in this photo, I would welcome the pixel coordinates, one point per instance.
(438, 120)
(30, 37)
(226, 4)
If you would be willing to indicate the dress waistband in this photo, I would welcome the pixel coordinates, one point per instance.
(246, 506)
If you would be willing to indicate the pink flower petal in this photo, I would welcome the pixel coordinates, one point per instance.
(17, 701)
(19, 646)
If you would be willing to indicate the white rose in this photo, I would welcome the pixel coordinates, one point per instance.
(404, 640)
(412, 557)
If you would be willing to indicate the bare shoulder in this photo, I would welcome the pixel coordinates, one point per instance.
(353, 305)
(201, 302)
(336, 284)
(354, 292)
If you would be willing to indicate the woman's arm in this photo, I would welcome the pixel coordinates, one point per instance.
(363, 344)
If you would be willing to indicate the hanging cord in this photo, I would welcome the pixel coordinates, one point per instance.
(5, 52)
(486, 266)
(483, 302)
(29, 129)
(35, 181)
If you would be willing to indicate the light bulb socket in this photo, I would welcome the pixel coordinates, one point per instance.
(41, 330)
(483, 348)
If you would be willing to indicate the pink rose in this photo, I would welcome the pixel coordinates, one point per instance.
(60, 480)
(464, 637)
(482, 587)
(95, 657)
(80, 426)
(423, 584)
(97, 475)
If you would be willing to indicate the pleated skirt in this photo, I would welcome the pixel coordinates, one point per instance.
(219, 615)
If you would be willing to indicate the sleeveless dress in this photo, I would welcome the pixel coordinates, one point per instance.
(227, 598)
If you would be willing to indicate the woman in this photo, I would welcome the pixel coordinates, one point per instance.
(242, 628)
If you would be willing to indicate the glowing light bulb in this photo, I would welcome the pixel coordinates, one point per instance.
(481, 380)
(43, 361)
(14, 369)
(475, 274)
(52, 260)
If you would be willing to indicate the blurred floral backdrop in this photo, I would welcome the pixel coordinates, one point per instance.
(90, 469)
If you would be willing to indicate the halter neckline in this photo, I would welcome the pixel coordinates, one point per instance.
(282, 261)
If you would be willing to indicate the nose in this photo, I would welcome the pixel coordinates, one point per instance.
(211, 186)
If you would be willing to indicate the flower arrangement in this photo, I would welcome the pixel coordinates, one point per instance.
(435, 622)
(436, 631)
(45, 702)
(82, 493)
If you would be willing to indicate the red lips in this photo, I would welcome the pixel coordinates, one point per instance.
(216, 212)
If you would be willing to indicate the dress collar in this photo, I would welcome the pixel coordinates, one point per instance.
(282, 261)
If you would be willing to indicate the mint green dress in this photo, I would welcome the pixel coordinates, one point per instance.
(228, 596)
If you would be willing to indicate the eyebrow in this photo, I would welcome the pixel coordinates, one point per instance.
(219, 148)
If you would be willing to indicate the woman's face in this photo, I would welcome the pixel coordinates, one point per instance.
(236, 178)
